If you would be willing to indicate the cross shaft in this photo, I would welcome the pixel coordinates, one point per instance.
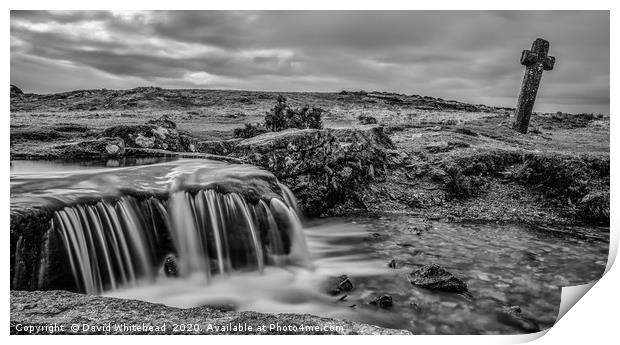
(536, 61)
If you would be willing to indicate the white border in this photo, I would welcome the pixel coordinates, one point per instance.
(592, 320)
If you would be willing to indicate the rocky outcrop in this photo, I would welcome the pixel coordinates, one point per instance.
(435, 277)
(38, 309)
(324, 168)
(161, 133)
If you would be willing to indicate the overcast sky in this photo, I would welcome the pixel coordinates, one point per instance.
(467, 56)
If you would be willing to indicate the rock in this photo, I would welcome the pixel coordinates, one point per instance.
(396, 157)
(112, 149)
(383, 301)
(435, 277)
(338, 285)
(466, 131)
(62, 308)
(513, 316)
(217, 147)
(594, 207)
(15, 91)
(163, 122)
(449, 304)
(514, 309)
(324, 168)
(367, 120)
(437, 147)
(161, 133)
(416, 307)
(170, 266)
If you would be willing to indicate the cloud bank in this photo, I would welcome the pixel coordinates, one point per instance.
(468, 56)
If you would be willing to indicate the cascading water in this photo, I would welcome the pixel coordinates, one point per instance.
(114, 243)
(107, 244)
(117, 226)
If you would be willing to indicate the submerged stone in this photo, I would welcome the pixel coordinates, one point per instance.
(170, 266)
(513, 315)
(338, 285)
(435, 277)
(383, 301)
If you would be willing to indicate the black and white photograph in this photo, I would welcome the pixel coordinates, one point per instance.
(306, 172)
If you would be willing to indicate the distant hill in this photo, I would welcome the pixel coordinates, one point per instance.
(158, 98)
(15, 91)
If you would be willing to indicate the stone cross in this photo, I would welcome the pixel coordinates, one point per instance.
(536, 61)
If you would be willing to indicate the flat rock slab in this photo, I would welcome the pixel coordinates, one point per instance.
(62, 308)
(435, 277)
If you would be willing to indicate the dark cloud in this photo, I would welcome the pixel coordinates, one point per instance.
(469, 56)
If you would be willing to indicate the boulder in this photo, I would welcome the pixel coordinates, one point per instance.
(435, 277)
(324, 168)
(161, 133)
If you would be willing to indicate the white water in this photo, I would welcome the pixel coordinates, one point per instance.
(114, 244)
(335, 249)
(106, 244)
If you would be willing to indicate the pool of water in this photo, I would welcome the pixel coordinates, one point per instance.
(46, 166)
(503, 265)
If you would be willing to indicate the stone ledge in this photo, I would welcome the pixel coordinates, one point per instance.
(41, 308)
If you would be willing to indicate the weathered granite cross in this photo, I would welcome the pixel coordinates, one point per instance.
(536, 61)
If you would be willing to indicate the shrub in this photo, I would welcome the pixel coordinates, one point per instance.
(366, 120)
(281, 117)
(249, 131)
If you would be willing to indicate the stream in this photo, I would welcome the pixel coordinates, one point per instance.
(504, 265)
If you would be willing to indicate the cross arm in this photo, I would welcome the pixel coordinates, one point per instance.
(549, 63)
(528, 58)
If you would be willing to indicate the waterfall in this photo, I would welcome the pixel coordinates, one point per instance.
(123, 242)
